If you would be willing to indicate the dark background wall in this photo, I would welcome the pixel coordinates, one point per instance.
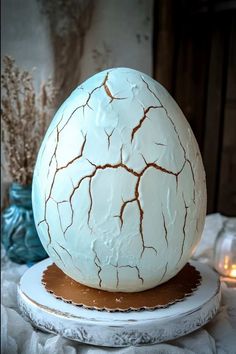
(195, 59)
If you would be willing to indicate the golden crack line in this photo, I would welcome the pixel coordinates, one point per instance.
(141, 214)
(138, 126)
(160, 168)
(116, 166)
(77, 187)
(117, 277)
(140, 223)
(136, 267)
(89, 97)
(184, 225)
(166, 267)
(48, 230)
(167, 114)
(50, 191)
(109, 137)
(139, 175)
(193, 177)
(54, 152)
(98, 266)
(49, 233)
(90, 176)
(174, 126)
(122, 210)
(44, 220)
(102, 167)
(75, 158)
(145, 159)
(61, 168)
(40, 222)
(54, 176)
(194, 196)
(44, 216)
(164, 224)
(70, 200)
(56, 141)
(177, 175)
(65, 250)
(108, 92)
(133, 172)
(83, 106)
(117, 274)
(184, 151)
(58, 211)
(191, 167)
(47, 200)
(58, 255)
(121, 154)
(130, 170)
(69, 118)
(91, 204)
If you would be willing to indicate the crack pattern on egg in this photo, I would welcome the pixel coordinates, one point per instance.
(119, 194)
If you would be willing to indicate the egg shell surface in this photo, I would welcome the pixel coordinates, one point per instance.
(119, 194)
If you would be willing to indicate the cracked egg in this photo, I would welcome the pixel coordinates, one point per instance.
(119, 194)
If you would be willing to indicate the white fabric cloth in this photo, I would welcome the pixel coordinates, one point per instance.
(218, 336)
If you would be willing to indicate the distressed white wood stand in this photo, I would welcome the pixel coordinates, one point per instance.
(117, 329)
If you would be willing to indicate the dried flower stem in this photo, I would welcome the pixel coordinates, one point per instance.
(25, 117)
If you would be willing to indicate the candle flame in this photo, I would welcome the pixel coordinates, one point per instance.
(226, 262)
(233, 271)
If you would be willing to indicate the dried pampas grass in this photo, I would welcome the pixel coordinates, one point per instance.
(25, 117)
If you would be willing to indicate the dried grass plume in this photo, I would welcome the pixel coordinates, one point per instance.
(25, 117)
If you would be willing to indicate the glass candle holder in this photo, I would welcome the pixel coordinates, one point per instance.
(19, 235)
(225, 249)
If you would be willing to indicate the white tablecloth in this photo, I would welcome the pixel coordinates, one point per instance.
(218, 336)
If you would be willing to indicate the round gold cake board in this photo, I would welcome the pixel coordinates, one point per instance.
(117, 329)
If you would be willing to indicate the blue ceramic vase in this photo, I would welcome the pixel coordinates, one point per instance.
(19, 235)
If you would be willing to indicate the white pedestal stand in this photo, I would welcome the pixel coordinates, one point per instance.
(117, 329)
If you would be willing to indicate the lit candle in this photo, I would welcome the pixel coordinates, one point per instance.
(233, 271)
(226, 262)
(225, 250)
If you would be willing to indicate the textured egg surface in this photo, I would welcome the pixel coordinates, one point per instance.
(119, 194)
